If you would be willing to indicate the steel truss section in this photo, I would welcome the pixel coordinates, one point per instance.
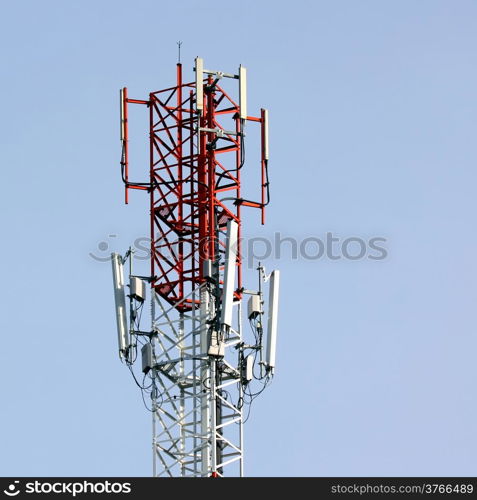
(197, 415)
(191, 169)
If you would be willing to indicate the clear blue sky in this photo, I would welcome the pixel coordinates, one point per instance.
(373, 108)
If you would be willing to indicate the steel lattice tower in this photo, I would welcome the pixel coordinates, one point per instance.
(195, 354)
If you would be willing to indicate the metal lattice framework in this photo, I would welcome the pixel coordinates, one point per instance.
(188, 176)
(188, 440)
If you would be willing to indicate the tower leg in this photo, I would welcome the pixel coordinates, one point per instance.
(205, 315)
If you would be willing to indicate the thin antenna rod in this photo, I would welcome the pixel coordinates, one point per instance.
(179, 43)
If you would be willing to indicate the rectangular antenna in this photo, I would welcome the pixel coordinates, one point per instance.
(121, 111)
(274, 287)
(229, 273)
(199, 83)
(243, 92)
(265, 134)
(120, 303)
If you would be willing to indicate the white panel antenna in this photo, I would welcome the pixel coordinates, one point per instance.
(229, 273)
(199, 83)
(121, 107)
(265, 134)
(243, 92)
(274, 287)
(120, 302)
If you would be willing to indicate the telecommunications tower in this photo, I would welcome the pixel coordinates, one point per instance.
(201, 367)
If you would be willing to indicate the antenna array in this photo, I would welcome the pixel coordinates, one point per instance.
(201, 367)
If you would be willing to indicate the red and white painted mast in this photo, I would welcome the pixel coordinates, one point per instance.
(199, 363)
